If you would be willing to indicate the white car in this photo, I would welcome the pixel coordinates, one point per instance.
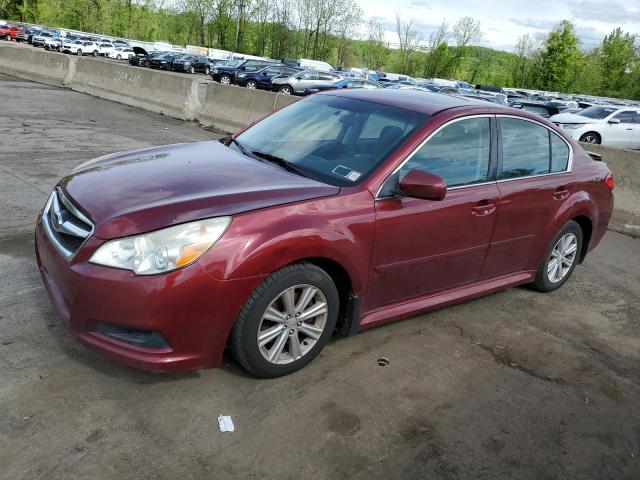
(52, 43)
(71, 46)
(121, 53)
(612, 126)
(105, 49)
(85, 48)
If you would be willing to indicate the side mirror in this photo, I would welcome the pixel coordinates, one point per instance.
(614, 121)
(420, 184)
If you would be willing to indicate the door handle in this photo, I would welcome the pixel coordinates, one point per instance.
(483, 208)
(561, 193)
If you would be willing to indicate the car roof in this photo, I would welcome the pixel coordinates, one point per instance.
(418, 101)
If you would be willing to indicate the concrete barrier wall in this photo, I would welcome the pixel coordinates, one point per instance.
(33, 64)
(172, 95)
(227, 108)
(625, 165)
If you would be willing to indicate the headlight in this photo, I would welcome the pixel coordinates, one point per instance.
(572, 126)
(163, 250)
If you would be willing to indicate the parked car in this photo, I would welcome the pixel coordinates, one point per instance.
(298, 83)
(192, 64)
(33, 33)
(23, 34)
(121, 53)
(564, 104)
(544, 110)
(261, 79)
(614, 126)
(105, 48)
(8, 31)
(72, 46)
(490, 88)
(140, 57)
(343, 83)
(341, 212)
(226, 73)
(429, 86)
(53, 43)
(162, 62)
(450, 90)
(38, 39)
(88, 48)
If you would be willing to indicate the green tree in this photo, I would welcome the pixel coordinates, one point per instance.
(618, 53)
(560, 58)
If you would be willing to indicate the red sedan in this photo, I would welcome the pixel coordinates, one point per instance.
(341, 212)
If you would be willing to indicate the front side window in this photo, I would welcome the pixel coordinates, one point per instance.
(459, 153)
(333, 139)
(625, 117)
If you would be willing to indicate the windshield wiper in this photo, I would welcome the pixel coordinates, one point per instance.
(281, 162)
(240, 146)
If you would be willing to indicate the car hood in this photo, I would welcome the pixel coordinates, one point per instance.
(144, 190)
(571, 118)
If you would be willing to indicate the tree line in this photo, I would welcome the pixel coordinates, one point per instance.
(335, 31)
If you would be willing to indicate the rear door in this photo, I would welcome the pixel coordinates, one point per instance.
(534, 180)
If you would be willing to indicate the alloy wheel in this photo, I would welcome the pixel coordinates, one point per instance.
(292, 324)
(251, 85)
(225, 80)
(562, 257)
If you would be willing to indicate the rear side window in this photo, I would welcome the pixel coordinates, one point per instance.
(559, 154)
(459, 153)
(525, 148)
(543, 112)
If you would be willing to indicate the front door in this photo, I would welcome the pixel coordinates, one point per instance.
(620, 134)
(424, 246)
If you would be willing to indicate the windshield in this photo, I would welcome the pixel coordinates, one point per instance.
(598, 112)
(231, 63)
(336, 140)
(185, 57)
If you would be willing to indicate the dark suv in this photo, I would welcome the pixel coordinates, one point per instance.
(162, 62)
(262, 78)
(227, 74)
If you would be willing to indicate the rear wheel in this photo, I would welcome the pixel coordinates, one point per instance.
(207, 71)
(192, 70)
(563, 254)
(251, 84)
(118, 57)
(286, 90)
(591, 137)
(286, 321)
(79, 52)
(95, 53)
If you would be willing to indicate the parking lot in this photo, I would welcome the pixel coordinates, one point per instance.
(515, 385)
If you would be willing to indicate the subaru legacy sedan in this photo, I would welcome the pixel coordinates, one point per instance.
(341, 212)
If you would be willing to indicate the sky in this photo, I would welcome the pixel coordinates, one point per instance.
(503, 21)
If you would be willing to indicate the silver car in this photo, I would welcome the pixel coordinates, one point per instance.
(297, 84)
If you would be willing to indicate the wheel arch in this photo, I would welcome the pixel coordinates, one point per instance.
(586, 225)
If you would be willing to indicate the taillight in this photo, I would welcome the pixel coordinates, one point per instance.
(609, 181)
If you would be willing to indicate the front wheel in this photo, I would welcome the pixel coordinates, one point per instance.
(286, 321)
(118, 57)
(251, 84)
(207, 71)
(192, 70)
(285, 90)
(95, 53)
(562, 256)
(225, 80)
(591, 137)
(79, 53)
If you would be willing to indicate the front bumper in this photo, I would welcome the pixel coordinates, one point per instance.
(192, 310)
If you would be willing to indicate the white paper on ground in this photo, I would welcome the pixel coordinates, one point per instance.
(225, 423)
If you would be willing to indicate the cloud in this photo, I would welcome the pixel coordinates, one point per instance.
(606, 12)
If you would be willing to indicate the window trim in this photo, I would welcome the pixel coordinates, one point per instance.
(492, 153)
(569, 168)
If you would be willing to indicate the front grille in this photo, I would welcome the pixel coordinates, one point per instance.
(66, 226)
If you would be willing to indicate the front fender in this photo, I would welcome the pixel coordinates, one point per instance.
(338, 228)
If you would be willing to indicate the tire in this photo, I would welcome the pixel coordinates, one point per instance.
(591, 137)
(118, 57)
(251, 84)
(548, 279)
(79, 52)
(285, 90)
(225, 79)
(95, 53)
(270, 294)
(207, 71)
(192, 70)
